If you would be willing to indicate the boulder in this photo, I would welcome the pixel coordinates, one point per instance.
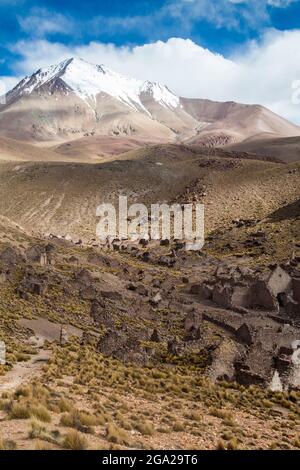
(175, 347)
(101, 314)
(240, 297)
(191, 321)
(63, 335)
(111, 295)
(84, 276)
(32, 285)
(221, 295)
(10, 256)
(262, 297)
(168, 261)
(244, 334)
(293, 308)
(88, 293)
(156, 299)
(112, 342)
(194, 334)
(296, 289)
(142, 290)
(279, 281)
(37, 254)
(155, 337)
(203, 291)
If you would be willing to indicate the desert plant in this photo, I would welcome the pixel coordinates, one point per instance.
(117, 435)
(19, 411)
(7, 445)
(73, 440)
(41, 413)
(146, 428)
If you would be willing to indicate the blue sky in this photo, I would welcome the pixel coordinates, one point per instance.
(220, 25)
(223, 35)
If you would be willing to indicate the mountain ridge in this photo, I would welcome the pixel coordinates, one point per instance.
(75, 99)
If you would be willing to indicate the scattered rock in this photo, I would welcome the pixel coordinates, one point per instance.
(155, 337)
(156, 299)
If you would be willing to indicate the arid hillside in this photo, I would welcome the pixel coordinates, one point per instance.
(286, 149)
(120, 350)
(62, 197)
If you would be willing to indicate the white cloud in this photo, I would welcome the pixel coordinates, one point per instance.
(7, 83)
(42, 22)
(171, 16)
(263, 72)
(230, 14)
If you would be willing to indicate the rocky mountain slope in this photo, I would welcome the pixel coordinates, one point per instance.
(142, 344)
(123, 349)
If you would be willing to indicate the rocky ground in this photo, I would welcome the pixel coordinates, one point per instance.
(146, 346)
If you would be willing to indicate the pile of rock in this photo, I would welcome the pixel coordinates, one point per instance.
(241, 288)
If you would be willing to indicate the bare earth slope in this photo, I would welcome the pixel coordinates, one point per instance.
(19, 151)
(62, 197)
(286, 149)
(233, 122)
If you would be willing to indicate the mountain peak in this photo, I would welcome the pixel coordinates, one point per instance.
(88, 80)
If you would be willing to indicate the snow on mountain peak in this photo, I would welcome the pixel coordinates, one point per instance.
(87, 80)
(161, 94)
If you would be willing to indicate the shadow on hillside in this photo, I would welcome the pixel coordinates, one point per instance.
(290, 211)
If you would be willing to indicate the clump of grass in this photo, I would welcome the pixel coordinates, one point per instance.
(22, 391)
(67, 419)
(81, 421)
(40, 445)
(193, 416)
(222, 414)
(19, 411)
(117, 435)
(65, 405)
(232, 444)
(37, 429)
(73, 440)
(146, 428)
(7, 445)
(221, 445)
(297, 442)
(40, 412)
(88, 420)
(178, 427)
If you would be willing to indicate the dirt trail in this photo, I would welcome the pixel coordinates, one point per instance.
(23, 372)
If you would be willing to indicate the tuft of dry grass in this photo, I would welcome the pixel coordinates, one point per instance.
(178, 427)
(41, 413)
(40, 445)
(117, 435)
(7, 445)
(65, 405)
(146, 428)
(73, 440)
(19, 411)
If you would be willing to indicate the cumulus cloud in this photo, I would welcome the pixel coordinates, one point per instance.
(263, 72)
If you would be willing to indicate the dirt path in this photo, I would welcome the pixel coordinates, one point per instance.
(23, 372)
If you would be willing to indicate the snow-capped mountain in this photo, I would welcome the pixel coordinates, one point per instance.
(88, 80)
(75, 99)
